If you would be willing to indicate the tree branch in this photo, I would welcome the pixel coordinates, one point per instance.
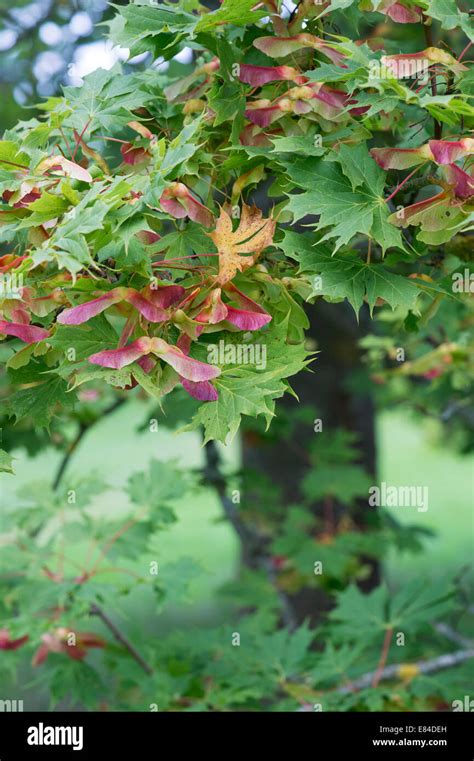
(96, 610)
(424, 667)
(253, 542)
(83, 429)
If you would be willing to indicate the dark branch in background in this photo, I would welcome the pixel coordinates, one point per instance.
(96, 610)
(448, 632)
(253, 543)
(83, 429)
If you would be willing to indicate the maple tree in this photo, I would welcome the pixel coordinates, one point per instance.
(148, 216)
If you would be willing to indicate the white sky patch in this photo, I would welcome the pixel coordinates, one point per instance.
(7, 39)
(47, 64)
(184, 56)
(50, 33)
(81, 24)
(94, 55)
(287, 8)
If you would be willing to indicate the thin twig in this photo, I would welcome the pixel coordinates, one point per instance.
(96, 610)
(83, 428)
(383, 657)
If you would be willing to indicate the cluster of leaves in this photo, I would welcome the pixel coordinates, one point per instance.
(128, 200)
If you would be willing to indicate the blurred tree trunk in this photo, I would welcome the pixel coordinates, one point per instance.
(336, 332)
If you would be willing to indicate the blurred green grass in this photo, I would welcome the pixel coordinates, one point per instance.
(406, 457)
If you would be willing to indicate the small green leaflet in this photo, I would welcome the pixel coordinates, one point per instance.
(6, 462)
(349, 200)
(344, 276)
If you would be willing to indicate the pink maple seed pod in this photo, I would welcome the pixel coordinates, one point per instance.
(84, 312)
(202, 390)
(401, 158)
(213, 310)
(262, 75)
(449, 151)
(164, 296)
(188, 368)
(150, 311)
(264, 112)
(29, 334)
(416, 208)
(118, 358)
(246, 320)
(88, 310)
(280, 47)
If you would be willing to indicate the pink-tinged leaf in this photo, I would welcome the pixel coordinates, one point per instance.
(164, 296)
(400, 13)
(148, 237)
(132, 155)
(141, 129)
(213, 310)
(261, 75)
(149, 311)
(6, 643)
(188, 368)
(463, 183)
(203, 390)
(246, 320)
(64, 166)
(84, 312)
(118, 358)
(30, 334)
(280, 47)
(401, 158)
(178, 201)
(249, 136)
(449, 151)
(263, 112)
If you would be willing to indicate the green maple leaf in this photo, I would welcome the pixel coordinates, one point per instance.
(94, 336)
(348, 198)
(40, 402)
(415, 604)
(245, 390)
(236, 12)
(450, 17)
(343, 276)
